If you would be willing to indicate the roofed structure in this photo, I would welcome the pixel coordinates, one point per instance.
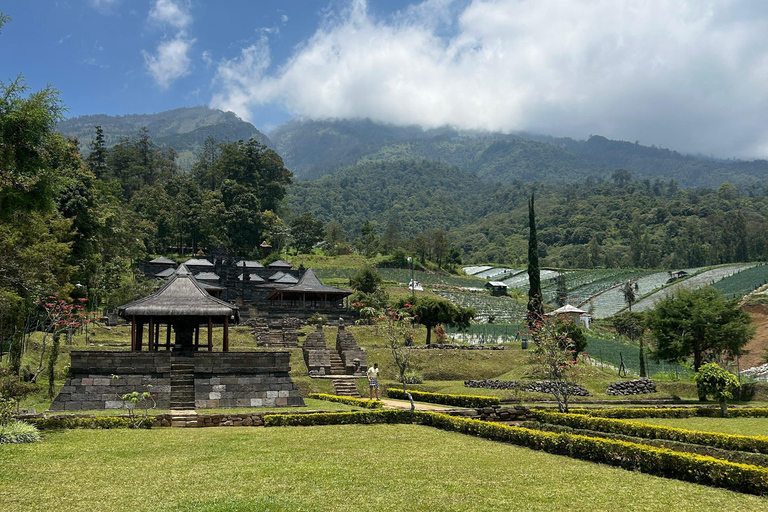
(162, 260)
(308, 292)
(280, 264)
(183, 304)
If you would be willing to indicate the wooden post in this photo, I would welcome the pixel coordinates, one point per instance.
(226, 334)
(197, 336)
(133, 333)
(151, 338)
(210, 334)
(157, 335)
(139, 335)
(168, 337)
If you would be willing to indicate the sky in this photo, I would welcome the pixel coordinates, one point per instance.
(686, 75)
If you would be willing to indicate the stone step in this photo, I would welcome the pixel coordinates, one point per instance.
(345, 387)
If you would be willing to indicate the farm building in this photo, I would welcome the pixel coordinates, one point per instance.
(497, 287)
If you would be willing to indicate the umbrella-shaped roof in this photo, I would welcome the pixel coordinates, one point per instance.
(198, 263)
(182, 295)
(568, 309)
(279, 264)
(248, 264)
(166, 273)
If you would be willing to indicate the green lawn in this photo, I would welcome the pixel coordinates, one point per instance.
(740, 426)
(377, 468)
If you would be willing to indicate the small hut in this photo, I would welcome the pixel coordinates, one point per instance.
(497, 287)
(183, 305)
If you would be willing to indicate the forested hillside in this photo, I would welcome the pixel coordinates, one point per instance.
(314, 148)
(183, 129)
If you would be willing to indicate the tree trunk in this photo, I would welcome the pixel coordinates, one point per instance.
(429, 335)
(723, 408)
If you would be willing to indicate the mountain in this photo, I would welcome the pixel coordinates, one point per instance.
(312, 149)
(183, 129)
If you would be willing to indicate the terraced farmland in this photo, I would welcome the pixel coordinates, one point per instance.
(744, 282)
(504, 309)
(704, 278)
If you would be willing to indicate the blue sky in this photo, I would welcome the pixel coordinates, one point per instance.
(690, 75)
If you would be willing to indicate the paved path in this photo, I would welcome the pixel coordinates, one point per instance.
(406, 405)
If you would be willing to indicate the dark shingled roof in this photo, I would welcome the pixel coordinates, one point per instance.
(276, 276)
(254, 278)
(280, 264)
(207, 276)
(182, 295)
(248, 264)
(199, 263)
(309, 283)
(166, 273)
(163, 260)
(287, 279)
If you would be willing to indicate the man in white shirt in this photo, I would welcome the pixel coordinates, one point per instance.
(373, 380)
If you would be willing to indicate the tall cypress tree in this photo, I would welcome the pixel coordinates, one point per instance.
(535, 303)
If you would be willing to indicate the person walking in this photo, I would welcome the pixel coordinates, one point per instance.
(373, 380)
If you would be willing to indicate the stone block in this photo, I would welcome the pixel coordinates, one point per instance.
(219, 387)
(214, 395)
(281, 402)
(257, 402)
(282, 394)
(272, 394)
(215, 381)
(113, 404)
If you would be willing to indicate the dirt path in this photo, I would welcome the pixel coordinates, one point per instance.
(759, 343)
(406, 406)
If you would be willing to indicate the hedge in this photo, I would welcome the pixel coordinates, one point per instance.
(637, 457)
(673, 412)
(96, 422)
(631, 456)
(757, 444)
(337, 418)
(357, 402)
(439, 398)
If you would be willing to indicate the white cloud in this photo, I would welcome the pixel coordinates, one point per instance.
(104, 6)
(170, 12)
(690, 75)
(170, 62)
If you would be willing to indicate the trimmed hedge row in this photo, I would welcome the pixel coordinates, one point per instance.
(757, 444)
(673, 412)
(655, 461)
(96, 422)
(337, 418)
(756, 459)
(357, 402)
(439, 398)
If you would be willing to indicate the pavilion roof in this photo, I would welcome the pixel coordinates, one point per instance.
(254, 278)
(166, 273)
(248, 264)
(310, 283)
(198, 263)
(162, 260)
(182, 295)
(280, 264)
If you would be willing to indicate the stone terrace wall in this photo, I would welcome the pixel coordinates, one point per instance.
(92, 387)
(244, 379)
(494, 413)
(231, 379)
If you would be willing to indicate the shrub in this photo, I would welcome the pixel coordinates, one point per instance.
(357, 402)
(672, 412)
(336, 418)
(439, 398)
(96, 422)
(655, 461)
(17, 432)
(713, 380)
(637, 429)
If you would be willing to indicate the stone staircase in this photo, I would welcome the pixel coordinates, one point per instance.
(337, 365)
(345, 387)
(182, 384)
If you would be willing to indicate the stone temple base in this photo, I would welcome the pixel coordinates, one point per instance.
(221, 379)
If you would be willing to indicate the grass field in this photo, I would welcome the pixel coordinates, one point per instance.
(362, 468)
(739, 426)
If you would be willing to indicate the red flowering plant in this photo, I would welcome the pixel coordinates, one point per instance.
(57, 317)
(554, 354)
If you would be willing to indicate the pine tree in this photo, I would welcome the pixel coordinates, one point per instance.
(97, 159)
(535, 303)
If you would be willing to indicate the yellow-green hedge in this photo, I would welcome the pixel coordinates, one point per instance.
(336, 418)
(357, 402)
(757, 444)
(96, 422)
(672, 412)
(655, 461)
(439, 398)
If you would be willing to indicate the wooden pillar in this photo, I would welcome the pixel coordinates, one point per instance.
(151, 333)
(225, 348)
(210, 334)
(133, 333)
(197, 337)
(139, 335)
(168, 337)
(157, 335)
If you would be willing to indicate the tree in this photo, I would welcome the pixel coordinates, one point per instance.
(366, 280)
(431, 312)
(713, 380)
(699, 323)
(97, 159)
(306, 232)
(628, 290)
(562, 290)
(632, 325)
(555, 356)
(535, 301)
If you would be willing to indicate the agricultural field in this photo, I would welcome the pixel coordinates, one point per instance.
(703, 278)
(503, 309)
(745, 282)
(403, 276)
(611, 301)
